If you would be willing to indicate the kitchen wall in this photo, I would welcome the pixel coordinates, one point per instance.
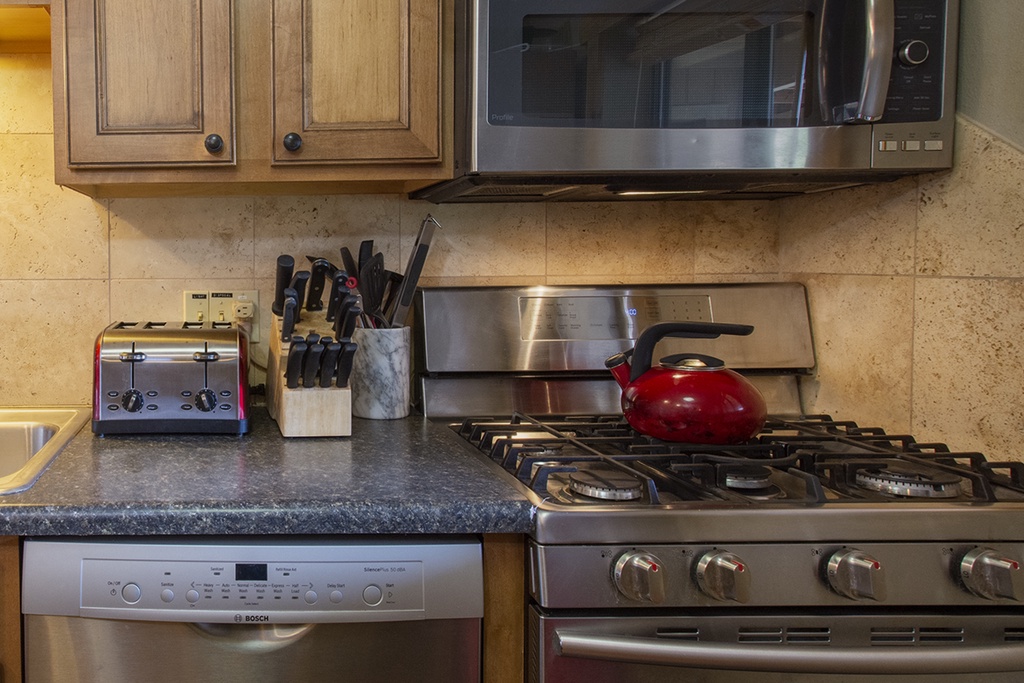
(915, 287)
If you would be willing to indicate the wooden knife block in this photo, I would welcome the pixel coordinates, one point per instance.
(305, 411)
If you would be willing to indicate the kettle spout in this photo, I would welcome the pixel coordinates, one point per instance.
(619, 366)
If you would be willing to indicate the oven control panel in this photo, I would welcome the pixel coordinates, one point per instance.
(783, 574)
(254, 583)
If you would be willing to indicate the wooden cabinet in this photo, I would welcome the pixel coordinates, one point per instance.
(251, 96)
(10, 608)
(148, 83)
(356, 81)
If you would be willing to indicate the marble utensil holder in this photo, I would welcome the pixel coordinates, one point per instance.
(380, 378)
(305, 411)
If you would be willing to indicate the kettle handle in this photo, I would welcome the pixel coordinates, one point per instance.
(643, 352)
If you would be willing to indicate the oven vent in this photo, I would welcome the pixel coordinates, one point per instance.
(679, 633)
(803, 635)
(1013, 635)
(911, 636)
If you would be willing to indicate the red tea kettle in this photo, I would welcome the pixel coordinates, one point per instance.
(689, 397)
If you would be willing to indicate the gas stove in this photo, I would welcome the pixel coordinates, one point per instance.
(818, 547)
(571, 461)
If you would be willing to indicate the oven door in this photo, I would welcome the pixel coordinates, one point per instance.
(776, 648)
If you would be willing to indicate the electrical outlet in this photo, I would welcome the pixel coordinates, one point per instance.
(241, 306)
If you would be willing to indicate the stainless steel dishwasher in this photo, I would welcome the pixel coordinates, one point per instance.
(234, 609)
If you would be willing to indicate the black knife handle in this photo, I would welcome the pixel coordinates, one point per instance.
(299, 282)
(348, 353)
(311, 363)
(296, 354)
(338, 292)
(328, 363)
(285, 266)
(288, 315)
(314, 299)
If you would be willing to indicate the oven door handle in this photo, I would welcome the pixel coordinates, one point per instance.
(796, 659)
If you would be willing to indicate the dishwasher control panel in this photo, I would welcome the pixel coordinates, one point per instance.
(254, 583)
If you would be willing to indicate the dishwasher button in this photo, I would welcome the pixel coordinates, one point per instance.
(131, 593)
(192, 596)
(336, 597)
(310, 597)
(167, 595)
(372, 595)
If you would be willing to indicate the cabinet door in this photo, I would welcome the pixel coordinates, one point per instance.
(357, 81)
(149, 83)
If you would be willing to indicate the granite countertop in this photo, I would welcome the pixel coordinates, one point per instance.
(409, 476)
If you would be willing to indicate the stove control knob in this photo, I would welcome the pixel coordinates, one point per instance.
(723, 576)
(856, 575)
(132, 400)
(640, 576)
(990, 575)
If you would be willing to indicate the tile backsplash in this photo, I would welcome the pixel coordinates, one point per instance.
(916, 288)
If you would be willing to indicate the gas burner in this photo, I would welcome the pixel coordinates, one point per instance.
(605, 484)
(746, 478)
(753, 482)
(909, 482)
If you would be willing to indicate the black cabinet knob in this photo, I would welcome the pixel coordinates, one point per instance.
(292, 142)
(214, 143)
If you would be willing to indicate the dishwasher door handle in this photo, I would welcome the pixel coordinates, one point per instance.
(254, 638)
(880, 660)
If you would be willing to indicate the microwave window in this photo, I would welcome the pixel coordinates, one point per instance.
(673, 70)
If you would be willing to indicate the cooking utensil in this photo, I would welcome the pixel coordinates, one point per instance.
(299, 281)
(365, 253)
(329, 363)
(412, 272)
(349, 263)
(320, 269)
(372, 281)
(311, 362)
(689, 397)
(289, 313)
(296, 355)
(285, 266)
(348, 353)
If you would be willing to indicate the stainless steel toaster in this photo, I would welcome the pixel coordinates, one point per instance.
(171, 377)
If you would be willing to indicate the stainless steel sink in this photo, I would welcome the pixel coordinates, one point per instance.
(30, 438)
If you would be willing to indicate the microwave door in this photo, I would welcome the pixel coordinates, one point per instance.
(577, 86)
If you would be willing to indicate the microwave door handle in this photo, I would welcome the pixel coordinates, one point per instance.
(879, 36)
(791, 659)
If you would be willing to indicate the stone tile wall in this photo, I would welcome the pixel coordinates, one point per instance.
(915, 287)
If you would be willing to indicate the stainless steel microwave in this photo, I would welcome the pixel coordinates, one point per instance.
(578, 100)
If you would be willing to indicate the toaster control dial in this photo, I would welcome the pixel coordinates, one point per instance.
(206, 400)
(723, 576)
(132, 400)
(856, 575)
(988, 574)
(639, 576)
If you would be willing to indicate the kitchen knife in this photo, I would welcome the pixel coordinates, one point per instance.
(412, 272)
(347, 302)
(299, 281)
(348, 323)
(320, 269)
(296, 354)
(311, 362)
(349, 263)
(338, 291)
(329, 363)
(291, 305)
(348, 352)
(285, 266)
